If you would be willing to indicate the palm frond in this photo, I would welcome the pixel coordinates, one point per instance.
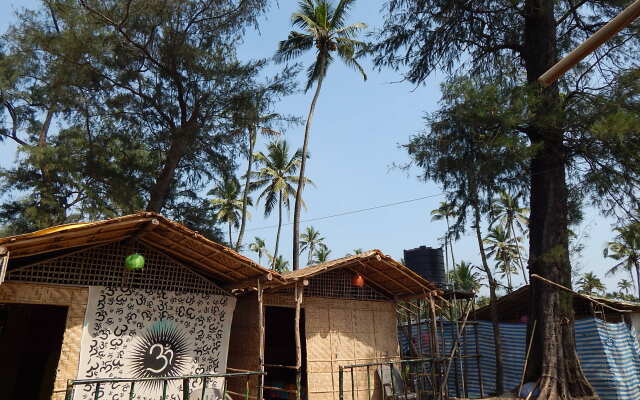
(340, 13)
(351, 31)
(296, 44)
(319, 68)
(346, 53)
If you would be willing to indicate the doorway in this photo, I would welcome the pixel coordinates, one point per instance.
(280, 353)
(30, 344)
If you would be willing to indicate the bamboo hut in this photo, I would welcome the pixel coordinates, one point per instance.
(69, 309)
(322, 317)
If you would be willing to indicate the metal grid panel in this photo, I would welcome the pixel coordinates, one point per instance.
(337, 284)
(104, 266)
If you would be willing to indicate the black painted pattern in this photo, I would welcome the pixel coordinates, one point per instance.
(145, 333)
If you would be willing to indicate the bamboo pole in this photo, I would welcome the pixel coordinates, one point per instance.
(584, 296)
(298, 295)
(526, 359)
(587, 47)
(455, 345)
(4, 266)
(434, 350)
(262, 338)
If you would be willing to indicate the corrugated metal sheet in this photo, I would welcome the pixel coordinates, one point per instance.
(609, 354)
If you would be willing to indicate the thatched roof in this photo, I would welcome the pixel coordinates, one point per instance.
(380, 271)
(516, 304)
(155, 231)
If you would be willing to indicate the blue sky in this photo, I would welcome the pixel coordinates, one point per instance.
(358, 128)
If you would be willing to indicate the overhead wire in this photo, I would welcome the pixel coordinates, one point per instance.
(351, 212)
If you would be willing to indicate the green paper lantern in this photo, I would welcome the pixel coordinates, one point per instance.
(134, 262)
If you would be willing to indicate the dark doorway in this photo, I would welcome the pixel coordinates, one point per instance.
(30, 343)
(280, 352)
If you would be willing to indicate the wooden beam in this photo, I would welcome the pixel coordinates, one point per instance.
(298, 294)
(584, 296)
(377, 285)
(4, 265)
(186, 253)
(3, 250)
(393, 279)
(73, 231)
(587, 47)
(408, 276)
(262, 338)
(247, 283)
(146, 228)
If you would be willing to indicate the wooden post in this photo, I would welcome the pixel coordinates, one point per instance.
(603, 34)
(419, 328)
(298, 295)
(4, 263)
(261, 344)
(435, 383)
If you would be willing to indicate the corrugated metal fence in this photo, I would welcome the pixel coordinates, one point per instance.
(609, 354)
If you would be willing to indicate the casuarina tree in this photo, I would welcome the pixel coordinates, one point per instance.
(325, 31)
(581, 132)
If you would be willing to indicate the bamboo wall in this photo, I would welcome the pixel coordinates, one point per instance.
(244, 343)
(338, 332)
(76, 301)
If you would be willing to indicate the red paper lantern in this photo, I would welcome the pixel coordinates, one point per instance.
(357, 280)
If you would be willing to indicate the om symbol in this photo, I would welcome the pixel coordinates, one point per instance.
(162, 358)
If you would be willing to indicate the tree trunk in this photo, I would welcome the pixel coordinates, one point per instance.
(230, 234)
(520, 263)
(453, 260)
(493, 299)
(162, 186)
(507, 265)
(275, 251)
(300, 188)
(553, 361)
(247, 183)
(638, 275)
(310, 255)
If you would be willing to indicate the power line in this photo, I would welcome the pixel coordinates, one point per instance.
(351, 212)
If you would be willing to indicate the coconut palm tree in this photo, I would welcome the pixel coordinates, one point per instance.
(590, 284)
(506, 211)
(463, 277)
(260, 248)
(227, 202)
(251, 116)
(503, 248)
(279, 264)
(310, 240)
(445, 211)
(322, 255)
(276, 177)
(626, 250)
(324, 30)
(625, 286)
(355, 252)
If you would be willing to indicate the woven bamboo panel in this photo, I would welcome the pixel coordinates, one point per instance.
(244, 343)
(104, 266)
(76, 301)
(346, 332)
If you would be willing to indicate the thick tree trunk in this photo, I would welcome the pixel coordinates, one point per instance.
(301, 179)
(275, 251)
(247, 183)
(553, 361)
(493, 302)
(162, 187)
